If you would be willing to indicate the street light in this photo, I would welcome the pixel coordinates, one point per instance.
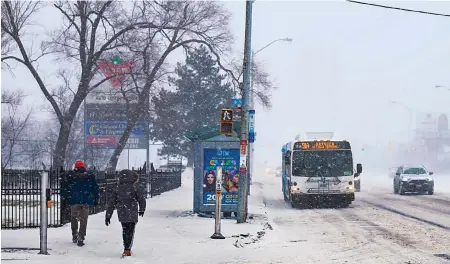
(252, 99)
(440, 86)
(410, 116)
(252, 96)
(277, 40)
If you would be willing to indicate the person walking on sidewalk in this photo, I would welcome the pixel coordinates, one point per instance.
(129, 200)
(80, 190)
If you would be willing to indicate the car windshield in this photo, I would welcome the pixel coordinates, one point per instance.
(414, 171)
(322, 163)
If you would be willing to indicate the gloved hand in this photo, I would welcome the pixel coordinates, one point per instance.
(141, 213)
(95, 202)
(107, 221)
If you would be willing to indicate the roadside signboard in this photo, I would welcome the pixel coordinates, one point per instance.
(106, 109)
(106, 134)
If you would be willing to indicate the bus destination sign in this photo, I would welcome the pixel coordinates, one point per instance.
(319, 145)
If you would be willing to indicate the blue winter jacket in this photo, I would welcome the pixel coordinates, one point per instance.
(80, 187)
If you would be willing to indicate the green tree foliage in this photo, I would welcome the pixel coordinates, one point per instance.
(198, 92)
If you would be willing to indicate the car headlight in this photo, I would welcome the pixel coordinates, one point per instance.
(405, 179)
(429, 179)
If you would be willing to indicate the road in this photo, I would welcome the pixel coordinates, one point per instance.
(379, 227)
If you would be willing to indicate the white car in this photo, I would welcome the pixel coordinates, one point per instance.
(413, 178)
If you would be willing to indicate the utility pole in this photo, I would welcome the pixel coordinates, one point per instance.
(243, 164)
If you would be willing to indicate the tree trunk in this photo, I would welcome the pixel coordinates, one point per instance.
(120, 146)
(59, 154)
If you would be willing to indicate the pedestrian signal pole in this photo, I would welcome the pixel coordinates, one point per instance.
(243, 164)
(217, 227)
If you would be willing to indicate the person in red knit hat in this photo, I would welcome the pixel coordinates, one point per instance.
(80, 190)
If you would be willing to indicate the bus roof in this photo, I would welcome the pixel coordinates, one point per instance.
(306, 136)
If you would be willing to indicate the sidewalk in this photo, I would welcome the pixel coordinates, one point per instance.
(168, 233)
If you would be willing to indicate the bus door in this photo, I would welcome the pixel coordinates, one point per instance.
(287, 172)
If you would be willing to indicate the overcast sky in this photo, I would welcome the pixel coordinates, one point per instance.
(345, 63)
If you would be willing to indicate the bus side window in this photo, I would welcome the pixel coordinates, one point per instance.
(287, 158)
(287, 162)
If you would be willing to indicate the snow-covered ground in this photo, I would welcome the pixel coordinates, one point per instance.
(379, 227)
(168, 233)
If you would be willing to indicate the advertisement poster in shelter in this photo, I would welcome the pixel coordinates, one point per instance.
(229, 160)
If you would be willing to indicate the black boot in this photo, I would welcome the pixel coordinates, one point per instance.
(80, 243)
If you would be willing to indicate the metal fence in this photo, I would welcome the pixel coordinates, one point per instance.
(164, 181)
(21, 195)
(21, 191)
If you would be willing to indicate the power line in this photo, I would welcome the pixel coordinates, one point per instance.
(398, 8)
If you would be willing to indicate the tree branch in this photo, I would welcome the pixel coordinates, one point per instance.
(27, 61)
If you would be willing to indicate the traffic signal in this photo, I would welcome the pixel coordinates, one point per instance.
(226, 115)
(226, 121)
(226, 128)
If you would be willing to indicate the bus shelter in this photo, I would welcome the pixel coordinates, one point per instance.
(211, 149)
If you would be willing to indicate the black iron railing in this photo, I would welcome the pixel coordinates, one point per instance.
(21, 195)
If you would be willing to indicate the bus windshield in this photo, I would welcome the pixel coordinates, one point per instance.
(329, 163)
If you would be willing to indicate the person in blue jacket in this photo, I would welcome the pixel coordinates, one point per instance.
(80, 190)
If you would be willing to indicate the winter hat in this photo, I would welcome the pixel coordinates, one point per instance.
(80, 164)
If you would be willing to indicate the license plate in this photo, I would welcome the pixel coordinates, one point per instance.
(418, 186)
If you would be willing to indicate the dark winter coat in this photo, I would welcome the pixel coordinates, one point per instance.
(127, 198)
(80, 187)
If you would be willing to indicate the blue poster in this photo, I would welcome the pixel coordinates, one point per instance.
(229, 160)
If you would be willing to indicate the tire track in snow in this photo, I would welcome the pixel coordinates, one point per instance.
(395, 211)
(433, 204)
(422, 205)
(335, 219)
(440, 201)
(402, 213)
(375, 229)
(385, 236)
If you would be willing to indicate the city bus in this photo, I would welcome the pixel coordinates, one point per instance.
(317, 168)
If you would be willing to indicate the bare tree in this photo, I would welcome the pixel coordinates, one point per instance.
(88, 29)
(13, 125)
(76, 146)
(262, 86)
(12, 98)
(186, 25)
